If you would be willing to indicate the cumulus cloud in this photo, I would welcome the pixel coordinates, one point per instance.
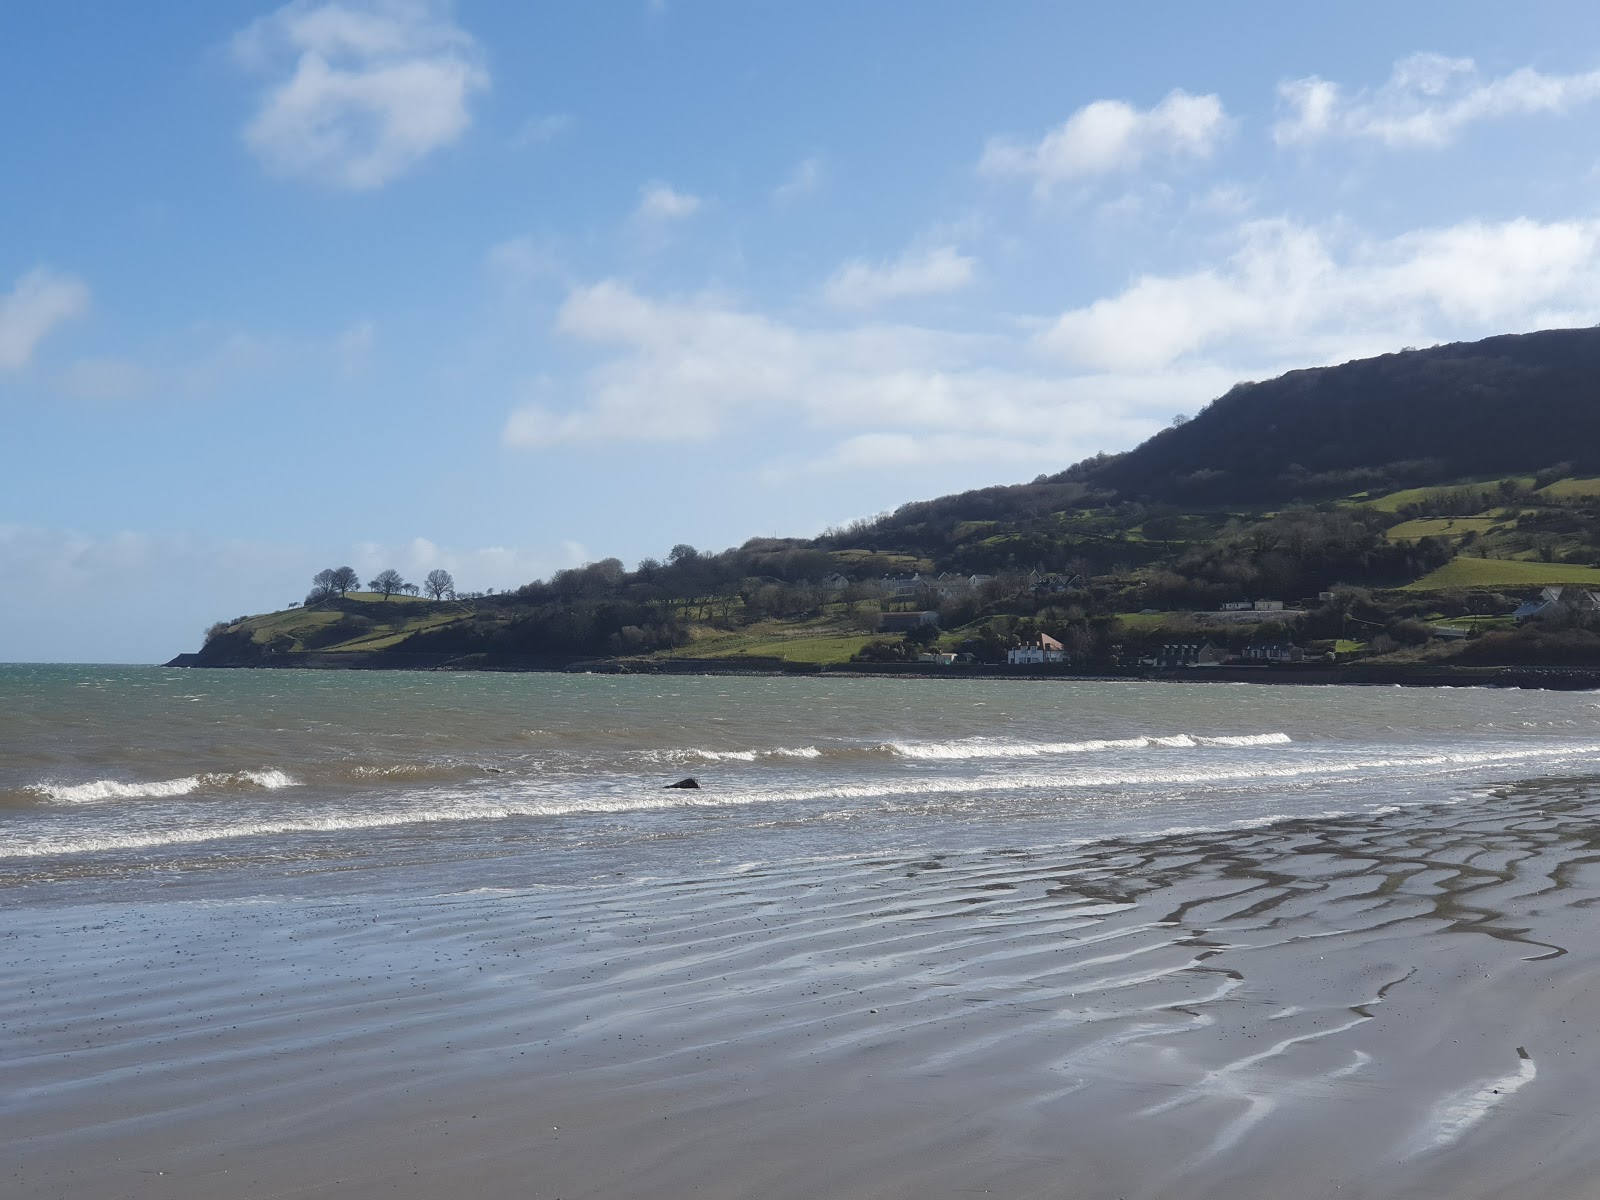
(372, 88)
(1110, 137)
(36, 305)
(937, 269)
(1311, 293)
(1427, 101)
(692, 370)
(659, 202)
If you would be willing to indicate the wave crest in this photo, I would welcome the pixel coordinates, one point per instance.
(159, 789)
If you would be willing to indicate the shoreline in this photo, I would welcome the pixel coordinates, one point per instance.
(1546, 678)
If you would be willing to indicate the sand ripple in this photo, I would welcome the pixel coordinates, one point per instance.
(1398, 1005)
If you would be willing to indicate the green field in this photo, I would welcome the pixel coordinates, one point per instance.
(815, 641)
(1422, 527)
(393, 621)
(1144, 622)
(1395, 501)
(1463, 572)
(1571, 489)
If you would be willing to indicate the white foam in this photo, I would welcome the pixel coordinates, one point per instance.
(970, 748)
(113, 789)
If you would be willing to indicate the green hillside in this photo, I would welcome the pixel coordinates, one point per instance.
(1379, 502)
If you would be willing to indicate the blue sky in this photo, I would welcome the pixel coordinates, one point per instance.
(504, 287)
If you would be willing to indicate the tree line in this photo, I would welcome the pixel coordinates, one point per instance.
(337, 582)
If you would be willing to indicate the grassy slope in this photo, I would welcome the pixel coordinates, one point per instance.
(1463, 572)
(1441, 527)
(408, 615)
(1569, 489)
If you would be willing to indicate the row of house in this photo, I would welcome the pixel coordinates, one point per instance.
(1046, 649)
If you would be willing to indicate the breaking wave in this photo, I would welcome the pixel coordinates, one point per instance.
(969, 748)
(114, 789)
(1329, 770)
(966, 748)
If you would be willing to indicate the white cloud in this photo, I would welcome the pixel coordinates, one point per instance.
(1428, 100)
(698, 369)
(659, 202)
(805, 179)
(937, 269)
(374, 87)
(39, 302)
(1109, 137)
(1300, 293)
(475, 569)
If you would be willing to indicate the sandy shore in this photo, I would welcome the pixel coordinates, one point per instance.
(1395, 1006)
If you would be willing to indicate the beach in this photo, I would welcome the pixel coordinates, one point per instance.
(1256, 976)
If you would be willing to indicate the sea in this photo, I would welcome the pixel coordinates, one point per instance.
(118, 780)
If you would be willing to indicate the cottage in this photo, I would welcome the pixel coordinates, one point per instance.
(1274, 652)
(1269, 606)
(1237, 606)
(835, 582)
(943, 660)
(1187, 654)
(1043, 649)
(1553, 601)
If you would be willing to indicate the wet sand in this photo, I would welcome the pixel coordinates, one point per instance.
(1401, 1005)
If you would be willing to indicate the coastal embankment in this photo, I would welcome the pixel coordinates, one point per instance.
(1381, 674)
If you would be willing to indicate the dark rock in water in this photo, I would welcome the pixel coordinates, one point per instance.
(690, 782)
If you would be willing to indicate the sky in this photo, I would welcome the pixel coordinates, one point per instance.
(505, 287)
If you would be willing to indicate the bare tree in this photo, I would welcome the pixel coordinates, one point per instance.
(387, 582)
(440, 584)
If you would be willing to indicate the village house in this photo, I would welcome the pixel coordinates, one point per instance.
(938, 659)
(1236, 606)
(1043, 649)
(1187, 654)
(1268, 605)
(1553, 601)
(901, 587)
(835, 582)
(1274, 652)
(1052, 585)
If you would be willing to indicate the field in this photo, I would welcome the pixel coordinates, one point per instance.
(394, 619)
(1395, 501)
(1463, 572)
(1571, 489)
(1422, 527)
(817, 641)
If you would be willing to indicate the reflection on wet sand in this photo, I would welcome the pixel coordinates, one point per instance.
(1398, 1005)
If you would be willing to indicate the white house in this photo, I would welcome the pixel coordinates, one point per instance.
(1553, 600)
(1269, 606)
(1044, 649)
(1276, 652)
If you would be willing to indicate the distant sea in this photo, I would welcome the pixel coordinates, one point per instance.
(235, 782)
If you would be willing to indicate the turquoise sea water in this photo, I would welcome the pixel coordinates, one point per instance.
(120, 778)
